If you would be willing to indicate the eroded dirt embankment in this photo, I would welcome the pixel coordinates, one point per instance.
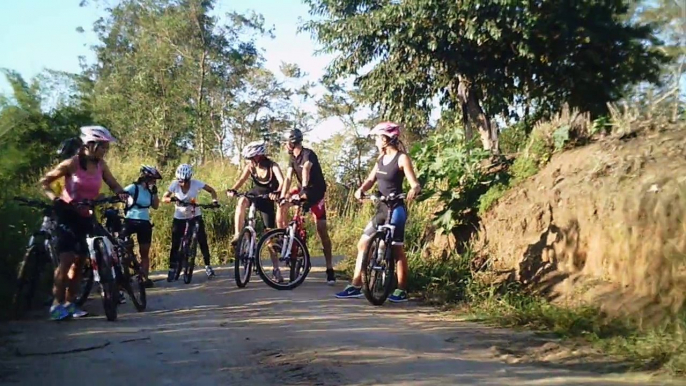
(603, 223)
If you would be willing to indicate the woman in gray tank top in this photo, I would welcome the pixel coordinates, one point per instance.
(389, 172)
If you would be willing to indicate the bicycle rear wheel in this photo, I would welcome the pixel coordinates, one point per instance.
(378, 272)
(243, 264)
(27, 279)
(299, 252)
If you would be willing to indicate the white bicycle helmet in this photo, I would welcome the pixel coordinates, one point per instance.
(254, 149)
(184, 172)
(96, 134)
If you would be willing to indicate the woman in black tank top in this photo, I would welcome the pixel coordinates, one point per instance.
(389, 173)
(267, 179)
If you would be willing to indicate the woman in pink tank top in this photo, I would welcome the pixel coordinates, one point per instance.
(83, 175)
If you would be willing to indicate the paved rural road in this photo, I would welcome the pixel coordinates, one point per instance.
(213, 333)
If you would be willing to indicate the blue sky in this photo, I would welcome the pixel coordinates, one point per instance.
(39, 34)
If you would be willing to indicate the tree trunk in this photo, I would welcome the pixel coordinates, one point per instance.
(677, 95)
(474, 115)
(200, 127)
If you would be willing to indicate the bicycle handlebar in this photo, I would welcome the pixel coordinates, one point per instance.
(100, 201)
(185, 203)
(391, 198)
(248, 194)
(32, 203)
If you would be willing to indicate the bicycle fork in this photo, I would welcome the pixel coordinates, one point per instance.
(382, 249)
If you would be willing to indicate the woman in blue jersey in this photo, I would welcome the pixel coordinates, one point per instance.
(389, 172)
(142, 197)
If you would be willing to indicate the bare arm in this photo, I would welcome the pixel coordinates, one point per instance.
(155, 201)
(167, 196)
(279, 176)
(64, 169)
(406, 166)
(110, 180)
(368, 183)
(287, 183)
(210, 190)
(306, 173)
(241, 180)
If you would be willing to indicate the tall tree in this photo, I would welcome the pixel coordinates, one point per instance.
(481, 57)
(669, 16)
(161, 69)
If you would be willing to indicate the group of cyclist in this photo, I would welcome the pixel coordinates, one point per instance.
(84, 169)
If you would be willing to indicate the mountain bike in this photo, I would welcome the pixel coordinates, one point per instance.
(127, 267)
(244, 262)
(378, 263)
(289, 246)
(40, 252)
(185, 260)
(100, 266)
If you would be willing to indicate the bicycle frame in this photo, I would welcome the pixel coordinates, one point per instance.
(250, 226)
(386, 228)
(250, 223)
(296, 227)
(47, 229)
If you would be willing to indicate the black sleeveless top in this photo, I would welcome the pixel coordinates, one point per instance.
(267, 185)
(389, 177)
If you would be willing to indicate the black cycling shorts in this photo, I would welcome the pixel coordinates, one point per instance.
(141, 228)
(72, 229)
(267, 209)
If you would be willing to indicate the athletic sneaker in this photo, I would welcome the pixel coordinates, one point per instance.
(330, 277)
(58, 312)
(398, 296)
(209, 271)
(350, 292)
(74, 311)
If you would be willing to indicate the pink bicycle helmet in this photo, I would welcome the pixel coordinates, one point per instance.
(96, 134)
(389, 129)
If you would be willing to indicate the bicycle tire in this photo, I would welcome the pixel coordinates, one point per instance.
(190, 261)
(131, 266)
(241, 281)
(27, 280)
(263, 274)
(180, 257)
(108, 284)
(371, 250)
(85, 289)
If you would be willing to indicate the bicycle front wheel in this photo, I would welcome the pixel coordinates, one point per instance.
(189, 261)
(269, 255)
(243, 263)
(108, 283)
(133, 283)
(378, 271)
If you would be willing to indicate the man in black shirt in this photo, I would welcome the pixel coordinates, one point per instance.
(305, 165)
